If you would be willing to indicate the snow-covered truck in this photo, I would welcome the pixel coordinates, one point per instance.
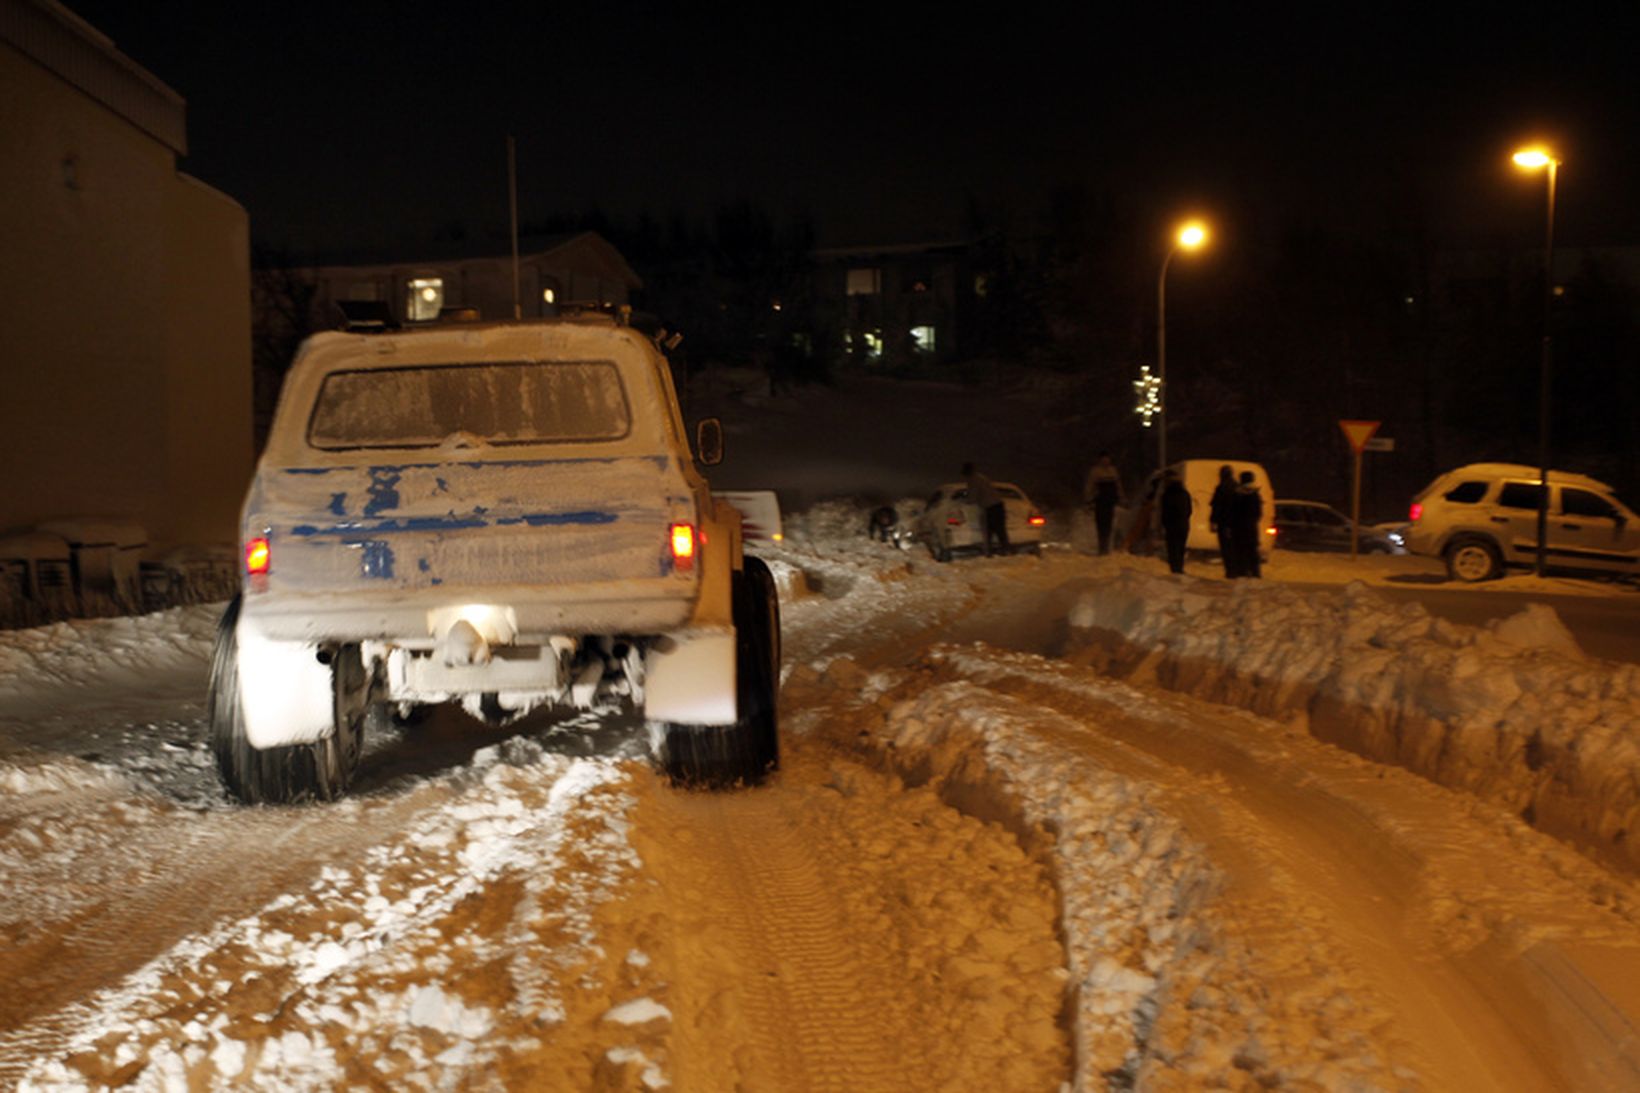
(506, 515)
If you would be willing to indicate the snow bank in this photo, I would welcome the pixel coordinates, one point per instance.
(448, 948)
(83, 651)
(835, 522)
(1512, 712)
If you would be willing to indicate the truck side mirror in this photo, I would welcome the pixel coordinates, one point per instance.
(709, 441)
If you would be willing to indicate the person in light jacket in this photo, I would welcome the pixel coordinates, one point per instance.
(1103, 492)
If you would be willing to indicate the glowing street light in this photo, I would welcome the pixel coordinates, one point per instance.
(1190, 236)
(1537, 158)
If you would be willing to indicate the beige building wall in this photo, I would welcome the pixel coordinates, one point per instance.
(125, 346)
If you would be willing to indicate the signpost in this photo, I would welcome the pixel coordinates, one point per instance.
(1358, 433)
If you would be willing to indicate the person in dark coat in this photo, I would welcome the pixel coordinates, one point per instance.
(985, 495)
(1248, 515)
(1221, 518)
(883, 519)
(1175, 505)
(1103, 491)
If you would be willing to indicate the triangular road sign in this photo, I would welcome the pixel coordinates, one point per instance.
(1358, 432)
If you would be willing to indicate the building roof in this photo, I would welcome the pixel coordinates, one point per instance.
(72, 49)
(541, 249)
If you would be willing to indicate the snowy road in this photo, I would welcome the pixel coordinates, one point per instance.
(987, 862)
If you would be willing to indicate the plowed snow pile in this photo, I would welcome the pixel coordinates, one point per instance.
(1512, 712)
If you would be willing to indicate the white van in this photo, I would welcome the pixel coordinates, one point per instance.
(1201, 478)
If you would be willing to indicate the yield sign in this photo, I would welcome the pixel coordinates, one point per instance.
(1358, 433)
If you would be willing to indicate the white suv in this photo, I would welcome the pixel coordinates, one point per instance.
(1483, 517)
(505, 515)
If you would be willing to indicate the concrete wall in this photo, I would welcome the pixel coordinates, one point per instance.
(125, 345)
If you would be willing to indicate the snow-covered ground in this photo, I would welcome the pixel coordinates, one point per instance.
(1041, 823)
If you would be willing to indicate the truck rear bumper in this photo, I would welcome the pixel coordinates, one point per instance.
(523, 612)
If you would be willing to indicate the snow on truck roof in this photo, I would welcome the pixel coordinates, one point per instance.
(389, 348)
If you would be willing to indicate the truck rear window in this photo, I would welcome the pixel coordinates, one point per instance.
(507, 402)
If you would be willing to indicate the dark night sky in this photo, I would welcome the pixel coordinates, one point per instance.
(345, 125)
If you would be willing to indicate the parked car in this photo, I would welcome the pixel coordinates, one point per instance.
(1483, 518)
(505, 515)
(950, 524)
(1311, 525)
(1201, 478)
(1396, 532)
(759, 514)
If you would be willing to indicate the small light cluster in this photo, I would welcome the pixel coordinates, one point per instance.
(1149, 390)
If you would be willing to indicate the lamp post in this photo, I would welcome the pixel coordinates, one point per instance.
(1534, 159)
(1190, 236)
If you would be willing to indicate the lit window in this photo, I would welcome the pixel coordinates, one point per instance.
(923, 336)
(426, 297)
(874, 344)
(982, 284)
(549, 296)
(864, 282)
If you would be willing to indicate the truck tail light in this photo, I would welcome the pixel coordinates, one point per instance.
(257, 556)
(1415, 512)
(1035, 519)
(955, 519)
(683, 546)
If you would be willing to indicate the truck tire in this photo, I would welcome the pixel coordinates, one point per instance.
(743, 753)
(1473, 559)
(320, 771)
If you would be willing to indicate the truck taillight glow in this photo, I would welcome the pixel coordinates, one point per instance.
(1036, 520)
(683, 545)
(1415, 512)
(257, 556)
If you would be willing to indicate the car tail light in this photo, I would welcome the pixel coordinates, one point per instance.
(1415, 512)
(955, 519)
(257, 556)
(1035, 519)
(683, 546)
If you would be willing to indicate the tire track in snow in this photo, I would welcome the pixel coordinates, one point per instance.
(805, 995)
(1394, 871)
(816, 946)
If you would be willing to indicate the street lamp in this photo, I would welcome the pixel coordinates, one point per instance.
(1190, 236)
(1536, 159)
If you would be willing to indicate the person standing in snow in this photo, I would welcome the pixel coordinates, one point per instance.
(1221, 517)
(985, 495)
(1103, 492)
(1247, 514)
(1176, 506)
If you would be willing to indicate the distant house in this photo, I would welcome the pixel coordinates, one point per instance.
(898, 302)
(581, 269)
(553, 272)
(126, 343)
